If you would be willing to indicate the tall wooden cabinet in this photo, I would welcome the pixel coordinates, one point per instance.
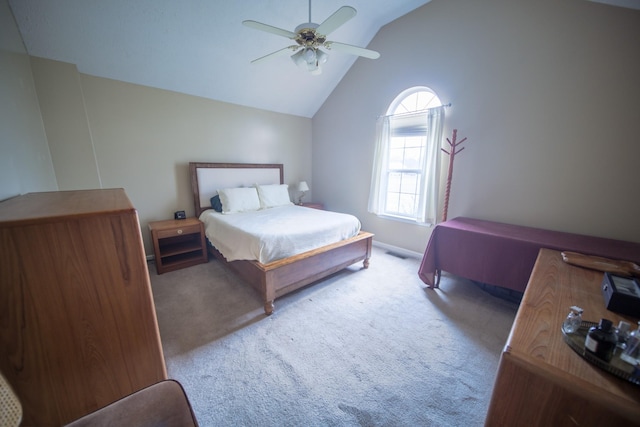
(78, 327)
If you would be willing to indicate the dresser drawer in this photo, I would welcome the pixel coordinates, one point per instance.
(173, 232)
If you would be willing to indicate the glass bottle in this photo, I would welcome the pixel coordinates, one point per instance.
(622, 332)
(572, 323)
(601, 340)
(631, 354)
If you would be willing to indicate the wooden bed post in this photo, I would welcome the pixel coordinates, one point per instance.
(365, 262)
(269, 307)
(268, 294)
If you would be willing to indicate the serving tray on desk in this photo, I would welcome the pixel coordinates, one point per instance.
(615, 366)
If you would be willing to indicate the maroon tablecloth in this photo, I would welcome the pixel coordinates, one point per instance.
(502, 254)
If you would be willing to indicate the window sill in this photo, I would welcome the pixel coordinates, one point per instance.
(403, 219)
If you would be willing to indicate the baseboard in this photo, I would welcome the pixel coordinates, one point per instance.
(397, 250)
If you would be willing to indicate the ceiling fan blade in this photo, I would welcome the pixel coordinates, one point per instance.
(269, 29)
(354, 50)
(338, 18)
(283, 51)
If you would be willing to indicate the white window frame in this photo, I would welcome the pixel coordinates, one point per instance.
(413, 112)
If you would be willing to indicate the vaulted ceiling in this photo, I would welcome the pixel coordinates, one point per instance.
(200, 47)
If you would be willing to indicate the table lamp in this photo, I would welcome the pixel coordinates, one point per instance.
(302, 188)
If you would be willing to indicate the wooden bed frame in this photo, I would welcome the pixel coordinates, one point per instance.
(277, 278)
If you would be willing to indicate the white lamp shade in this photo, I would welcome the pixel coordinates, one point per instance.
(298, 58)
(321, 56)
(302, 186)
(311, 59)
(310, 56)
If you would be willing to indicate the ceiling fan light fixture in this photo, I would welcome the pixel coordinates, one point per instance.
(310, 55)
(321, 56)
(298, 58)
(312, 67)
(309, 59)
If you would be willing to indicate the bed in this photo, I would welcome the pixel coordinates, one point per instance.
(273, 278)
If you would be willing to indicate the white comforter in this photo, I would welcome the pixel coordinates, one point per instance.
(268, 235)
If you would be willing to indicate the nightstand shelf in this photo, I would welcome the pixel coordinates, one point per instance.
(178, 244)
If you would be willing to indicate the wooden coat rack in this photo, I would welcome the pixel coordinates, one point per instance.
(452, 154)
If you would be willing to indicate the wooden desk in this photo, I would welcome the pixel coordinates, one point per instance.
(540, 380)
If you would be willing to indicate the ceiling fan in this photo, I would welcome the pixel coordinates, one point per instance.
(310, 37)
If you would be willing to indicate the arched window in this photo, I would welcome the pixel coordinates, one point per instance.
(406, 170)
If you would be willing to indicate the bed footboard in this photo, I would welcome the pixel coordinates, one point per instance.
(281, 277)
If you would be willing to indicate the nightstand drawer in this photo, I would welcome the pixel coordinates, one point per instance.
(187, 229)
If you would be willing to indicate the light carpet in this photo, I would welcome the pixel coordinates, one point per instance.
(370, 347)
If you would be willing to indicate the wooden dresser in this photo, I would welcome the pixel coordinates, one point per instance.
(541, 381)
(78, 327)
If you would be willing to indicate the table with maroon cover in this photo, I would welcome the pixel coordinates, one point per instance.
(503, 255)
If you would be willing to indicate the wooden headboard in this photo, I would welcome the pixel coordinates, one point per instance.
(207, 178)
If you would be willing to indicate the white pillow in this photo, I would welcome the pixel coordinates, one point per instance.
(273, 195)
(241, 199)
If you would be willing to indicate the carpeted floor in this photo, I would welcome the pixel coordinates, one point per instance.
(368, 347)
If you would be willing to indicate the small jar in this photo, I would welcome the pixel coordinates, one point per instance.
(601, 340)
(574, 319)
(622, 332)
(631, 353)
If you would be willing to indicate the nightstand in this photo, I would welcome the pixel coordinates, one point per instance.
(178, 243)
(313, 205)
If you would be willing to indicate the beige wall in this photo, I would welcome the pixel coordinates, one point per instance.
(65, 121)
(115, 134)
(546, 93)
(25, 162)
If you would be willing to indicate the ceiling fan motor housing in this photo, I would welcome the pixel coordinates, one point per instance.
(307, 35)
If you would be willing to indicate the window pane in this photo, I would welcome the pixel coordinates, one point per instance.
(412, 158)
(407, 204)
(393, 184)
(425, 99)
(402, 193)
(396, 158)
(396, 143)
(415, 141)
(392, 205)
(409, 183)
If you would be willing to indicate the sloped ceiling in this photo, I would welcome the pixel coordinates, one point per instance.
(200, 47)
